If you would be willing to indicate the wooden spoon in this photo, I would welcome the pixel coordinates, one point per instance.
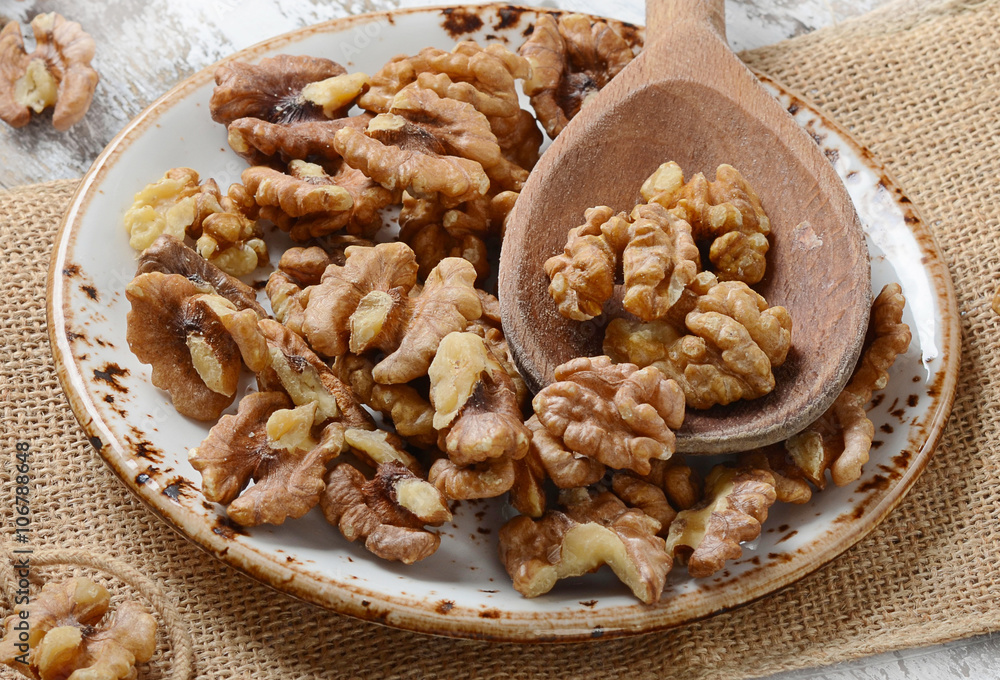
(689, 99)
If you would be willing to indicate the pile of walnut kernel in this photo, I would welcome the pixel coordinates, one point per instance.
(407, 330)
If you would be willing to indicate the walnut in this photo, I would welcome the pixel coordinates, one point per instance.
(645, 496)
(69, 634)
(528, 494)
(169, 255)
(658, 256)
(376, 447)
(519, 138)
(842, 437)
(296, 370)
(402, 155)
(232, 241)
(367, 304)
(435, 232)
(571, 60)
(619, 415)
(488, 479)
(595, 529)
(483, 77)
(680, 482)
(336, 95)
(240, 324)
(192, 355)
(409, 409)
(288, 287)
(489, 328)
(271, 90)
(709, 534)
(475, 403)
(259, 142)
(566, 469)
(307, 202)
(733, 341)
(727, 213)
(176, 205)
(271, 443)
(57, 73)
(389, 511)
(790, 485)
(304, 266)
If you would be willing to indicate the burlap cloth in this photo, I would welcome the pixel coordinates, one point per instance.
(920, 90)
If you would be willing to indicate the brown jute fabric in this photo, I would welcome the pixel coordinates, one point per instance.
(919, 89)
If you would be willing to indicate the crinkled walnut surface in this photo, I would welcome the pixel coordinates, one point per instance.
(70, 637)
(57, 73)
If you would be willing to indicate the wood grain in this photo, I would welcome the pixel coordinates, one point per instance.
(687, 98)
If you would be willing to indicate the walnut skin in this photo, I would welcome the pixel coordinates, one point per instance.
(790, 485)
(483, 77)
(435, 232)
(658, 256)
(709, 534)
(271, 90)
(733, 342)
(681, 483)
(271, 443)
(259, 142)
(619, 415)
(842, 437)
(645, 496)
(69, 635)
(594, 530)
(488, 479)
(192, 355)
(571, 60)
(307, 202)
(57, 73)
(726, 212)
(169, 255)
(475, 402)
(566, 469)
(367, 304)
(389, 511)
(296, 370)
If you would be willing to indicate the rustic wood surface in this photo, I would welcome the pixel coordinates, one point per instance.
(144, 47)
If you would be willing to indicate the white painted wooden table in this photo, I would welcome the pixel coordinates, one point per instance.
(144, 47)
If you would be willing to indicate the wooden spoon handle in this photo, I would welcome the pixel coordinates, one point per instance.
(662, 15)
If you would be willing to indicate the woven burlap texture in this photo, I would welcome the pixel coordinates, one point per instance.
(919, 90)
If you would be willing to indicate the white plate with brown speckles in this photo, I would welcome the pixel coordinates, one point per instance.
(462, 590)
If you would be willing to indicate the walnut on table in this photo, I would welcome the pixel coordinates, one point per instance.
(169, 255)
(475, 403)
(308, 202)
(57, 73)
(707, 535)
(726, 350)
(389, 512)
(617, 414)
(655, 249)
(840, 441)
(274, 445)
(271, 90)
(594, 529)
(369, 304)
(571, 60)
(71, 636)
(727, 212)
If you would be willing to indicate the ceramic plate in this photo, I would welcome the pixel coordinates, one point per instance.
(462, 590)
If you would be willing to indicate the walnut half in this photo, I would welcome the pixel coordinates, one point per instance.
(57, 73)
(69, 636)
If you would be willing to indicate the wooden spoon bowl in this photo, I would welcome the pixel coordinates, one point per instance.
(689, 99)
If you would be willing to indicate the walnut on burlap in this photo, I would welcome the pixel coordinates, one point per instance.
(919, 89)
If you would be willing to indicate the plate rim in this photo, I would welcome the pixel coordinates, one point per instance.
(465, 622)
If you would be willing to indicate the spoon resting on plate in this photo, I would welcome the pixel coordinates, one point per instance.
(687, 98)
